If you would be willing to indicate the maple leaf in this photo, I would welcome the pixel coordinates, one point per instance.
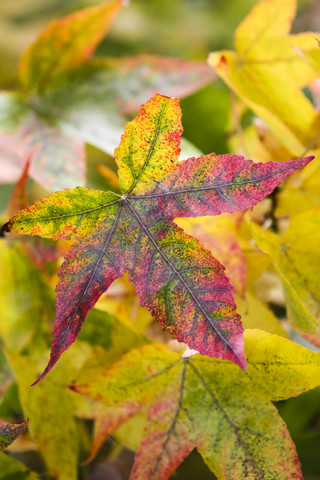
(200, 402)
(176, 278)
(9, 432)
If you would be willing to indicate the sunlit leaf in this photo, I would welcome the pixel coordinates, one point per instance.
(176, 278)
(213, 406)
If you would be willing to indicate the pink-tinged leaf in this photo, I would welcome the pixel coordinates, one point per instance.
(107, 420)
(65, 45)
(172, 77)
(87, 272)
(57, 159)
(214, 184)
(10, 431)
(175, 277)
(10, 160)
(19, 199)
(184, 287)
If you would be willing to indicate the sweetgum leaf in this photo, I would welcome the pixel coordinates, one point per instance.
(9, 432)
(211, 405)
(175, 277)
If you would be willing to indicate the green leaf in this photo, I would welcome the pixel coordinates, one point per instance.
(295, 255)
(69, 214)
(27, 303)
(176, 278)
(213, 406)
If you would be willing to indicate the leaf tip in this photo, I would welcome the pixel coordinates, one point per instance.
(44, 373)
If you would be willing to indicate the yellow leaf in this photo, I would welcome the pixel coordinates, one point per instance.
(296, 256)
(268, 70)
(256, 314)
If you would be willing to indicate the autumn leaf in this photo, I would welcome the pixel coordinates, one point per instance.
(9, 432)
(176, 278)
(212, 406)
(264, 52)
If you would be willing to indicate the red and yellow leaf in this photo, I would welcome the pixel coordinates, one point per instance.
(175, 277)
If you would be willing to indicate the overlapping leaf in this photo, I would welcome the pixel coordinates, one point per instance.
(224, 412)
(218, 234)
(9, 432)
(177, 279)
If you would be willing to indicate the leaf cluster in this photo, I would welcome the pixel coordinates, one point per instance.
(205, 246)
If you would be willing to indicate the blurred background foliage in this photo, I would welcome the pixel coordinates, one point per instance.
(187, 29)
